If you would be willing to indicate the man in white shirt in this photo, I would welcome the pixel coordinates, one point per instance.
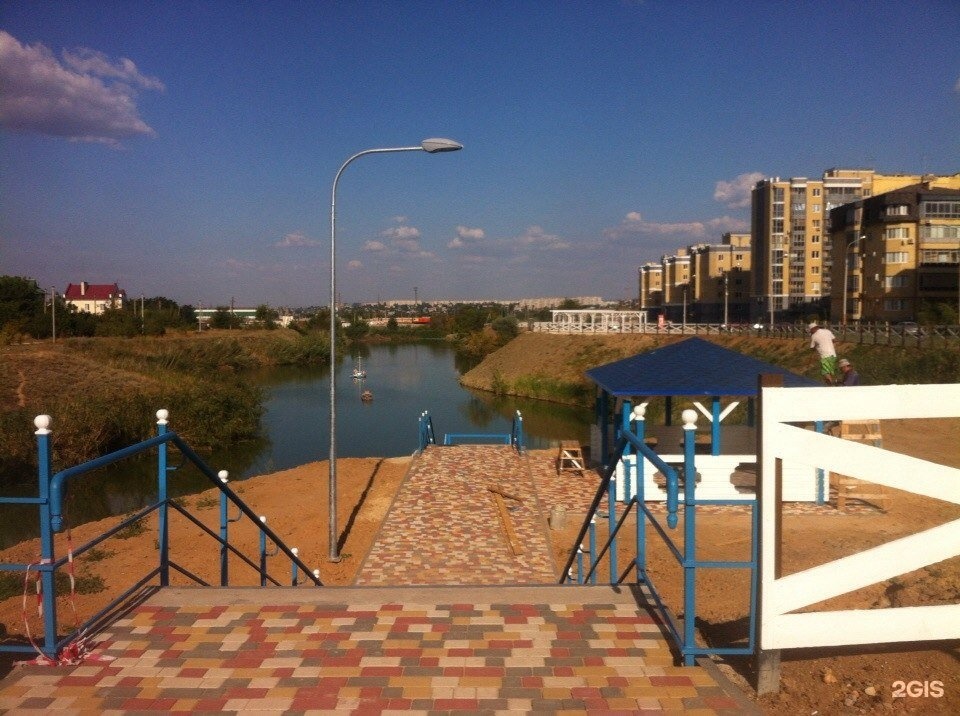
(821, 339)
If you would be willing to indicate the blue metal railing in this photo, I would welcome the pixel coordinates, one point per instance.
(426, 435)
(685, 555)
(50, 501)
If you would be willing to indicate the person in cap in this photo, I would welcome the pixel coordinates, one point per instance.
(821, 340)
(848, 376)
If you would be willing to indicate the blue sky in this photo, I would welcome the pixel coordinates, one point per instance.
(188, 149)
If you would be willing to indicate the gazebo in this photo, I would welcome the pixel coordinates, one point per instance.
(692, 368)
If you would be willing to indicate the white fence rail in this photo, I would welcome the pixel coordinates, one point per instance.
(781, 627)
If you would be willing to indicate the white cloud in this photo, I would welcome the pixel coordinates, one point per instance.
(401, 232)
(374, 246)
(354, 264)
(735, 194)
(465, 237)
(87, 98)
(296, 239)
(633, 224)
(536, 236)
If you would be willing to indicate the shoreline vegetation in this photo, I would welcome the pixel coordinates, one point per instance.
(103, 392)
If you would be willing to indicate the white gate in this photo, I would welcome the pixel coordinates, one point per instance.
(780, 626)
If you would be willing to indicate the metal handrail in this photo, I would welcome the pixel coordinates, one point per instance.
(684, 635)
(50, 501)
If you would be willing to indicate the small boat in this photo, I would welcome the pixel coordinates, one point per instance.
(366, 396)
(358, 372)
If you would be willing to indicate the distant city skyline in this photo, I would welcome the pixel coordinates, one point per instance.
(188, 149)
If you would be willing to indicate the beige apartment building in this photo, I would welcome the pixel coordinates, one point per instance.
(896, 250)
(791, 251)
(706, 283)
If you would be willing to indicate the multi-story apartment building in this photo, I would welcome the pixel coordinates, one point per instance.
(791, 253)
(704, 282)
(650, 289)
(720, 279)
(895, 250)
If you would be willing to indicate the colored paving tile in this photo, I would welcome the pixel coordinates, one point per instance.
(446, 527)
(471, 641)
(391, 655)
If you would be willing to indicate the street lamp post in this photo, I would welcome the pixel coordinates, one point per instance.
(431, 146)
(846, 271)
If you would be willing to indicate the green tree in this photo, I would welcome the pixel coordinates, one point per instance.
(266, 316)
(22, 307)
(506, 327)
(392, 325)
(222, 318)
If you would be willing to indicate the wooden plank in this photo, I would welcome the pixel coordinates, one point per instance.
(512, 540)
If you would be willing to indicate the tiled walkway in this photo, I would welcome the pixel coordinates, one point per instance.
(446, 526)
(385, 648)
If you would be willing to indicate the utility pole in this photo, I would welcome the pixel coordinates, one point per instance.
(53, 311)
(726, 299)
(199, 321)
(416, 302)
(231, 312)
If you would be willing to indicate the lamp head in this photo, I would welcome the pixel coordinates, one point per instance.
(438, 144)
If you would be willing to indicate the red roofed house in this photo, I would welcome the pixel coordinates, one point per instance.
(94, 297)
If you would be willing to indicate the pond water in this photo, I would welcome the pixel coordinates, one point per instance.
(405, 381)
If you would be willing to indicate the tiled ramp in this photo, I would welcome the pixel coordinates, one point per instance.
(359, 650)
(455, 521)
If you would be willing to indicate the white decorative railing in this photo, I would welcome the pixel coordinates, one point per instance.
(780, 626)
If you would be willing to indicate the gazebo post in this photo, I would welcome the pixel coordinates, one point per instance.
(715, 426)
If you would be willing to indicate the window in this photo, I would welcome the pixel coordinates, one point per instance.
(815, 239)
(895, 304)
(941, 209)
(798, 207)
(815, 270)
(934, 256)
(899, 281)
(816, 191)
(940, 231)
(778, 210)
(815, 208)
(896, 232)
(738, 257)
(816, 224)
(897, 210)
(814, 254)
(778, 226)
(895, 257)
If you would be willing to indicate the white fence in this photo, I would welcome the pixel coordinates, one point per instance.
(781, 627)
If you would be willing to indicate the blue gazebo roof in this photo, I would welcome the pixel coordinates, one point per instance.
(690, 367)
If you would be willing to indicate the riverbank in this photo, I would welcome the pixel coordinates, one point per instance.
(103, 392)
(552, 367)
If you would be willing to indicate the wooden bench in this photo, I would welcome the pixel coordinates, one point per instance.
(570, 457)
(850, 488)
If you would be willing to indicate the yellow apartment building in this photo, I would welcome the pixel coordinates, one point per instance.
(720, 279)
(895, 251)
(792, 257)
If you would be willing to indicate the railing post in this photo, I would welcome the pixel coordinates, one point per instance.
(162, 535)
(625, 416)
(640, 426)
(593, 547)
(263, 553)
(294, 569)
(224, 524)
(42, 423)
(612, 525)
(580, 565)
(689, 536)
